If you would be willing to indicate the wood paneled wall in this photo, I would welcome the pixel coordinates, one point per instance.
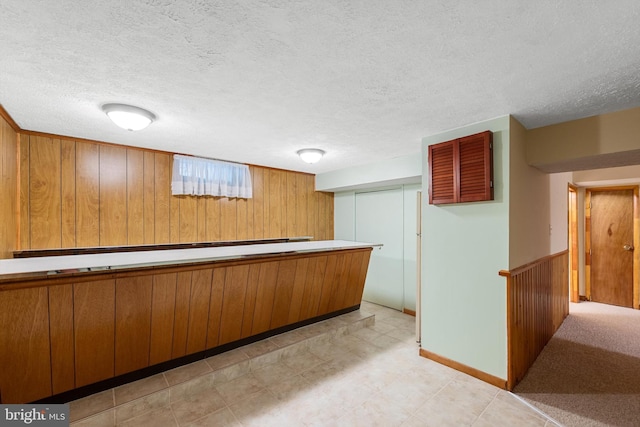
(8, 189)
(80, 193)
(537, 304)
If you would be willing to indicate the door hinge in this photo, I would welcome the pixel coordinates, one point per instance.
(490, 184)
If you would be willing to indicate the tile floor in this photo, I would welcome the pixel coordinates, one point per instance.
(359, 369)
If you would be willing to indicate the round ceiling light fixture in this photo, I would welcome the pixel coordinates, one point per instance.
(128, 117)
(310, 155)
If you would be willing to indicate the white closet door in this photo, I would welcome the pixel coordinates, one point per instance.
(379, 219)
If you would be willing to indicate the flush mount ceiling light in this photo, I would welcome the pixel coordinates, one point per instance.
(128, 117)
(310, 155)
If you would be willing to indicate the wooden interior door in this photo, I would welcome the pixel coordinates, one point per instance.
(612, 247)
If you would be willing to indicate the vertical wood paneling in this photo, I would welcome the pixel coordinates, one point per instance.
(537, 304)
(87, 194)
(283, 293)
(61, 335)
(341, 285)
(181, 319)
(355, 268)
(300, 200)
(241, 214)
(250, 299)
(25, 217)
(215, 306)
(148, 198)
(299, 280)
(313, 287)
(94, 194)
(312, 210)
(44, 193)
(257, 175)
(113, 195)
(201, 234)
(188, 219)
(199, 310)
(235, 289)
(228, 219)
(212, 208)
(163, 303)
(264, 297)
(174, 218)
(10, 153)
(162, 192)
(362, 277)
(68, 193)
(277, 204)
(94, 330)
(291, 205)
(328, 284)
(24, 329)
(135, 197)
(133, 323)
(251, 230)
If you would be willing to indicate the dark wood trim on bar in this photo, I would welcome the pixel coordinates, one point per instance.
(32, 253)
(185, 360)
(481, 375)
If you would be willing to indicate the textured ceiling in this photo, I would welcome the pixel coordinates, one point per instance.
(254, 81)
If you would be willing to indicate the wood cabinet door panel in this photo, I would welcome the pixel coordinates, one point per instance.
(341, 282)
(297, 294)
(215, 306)
(328, 285)
(163, 304)
(61, 333)
(235, 290)
(181, 319)
(250, 300)
(284, 291)
(133, 323)
(199, 310)
(313, 287)
(264, 297)
(94, 330)
(352, 279)
(25, 366)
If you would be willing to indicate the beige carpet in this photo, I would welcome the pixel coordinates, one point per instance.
(589, 373)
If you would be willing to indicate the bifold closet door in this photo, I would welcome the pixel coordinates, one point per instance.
(379, 219)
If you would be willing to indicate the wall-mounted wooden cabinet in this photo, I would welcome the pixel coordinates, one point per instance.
(461, 170)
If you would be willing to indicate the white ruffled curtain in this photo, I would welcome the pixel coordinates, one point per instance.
(199, 177)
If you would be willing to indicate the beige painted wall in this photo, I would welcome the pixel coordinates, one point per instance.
(529, 204)
(603, 134)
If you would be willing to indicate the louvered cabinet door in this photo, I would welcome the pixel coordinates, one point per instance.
(442, 173)
(461, 170)
(475, 168)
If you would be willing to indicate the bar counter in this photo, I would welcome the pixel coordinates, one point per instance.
(73, 325)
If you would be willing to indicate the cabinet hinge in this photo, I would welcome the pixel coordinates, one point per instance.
(491, 184)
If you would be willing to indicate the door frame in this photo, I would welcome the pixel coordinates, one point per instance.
(573, 244)
(636, 239)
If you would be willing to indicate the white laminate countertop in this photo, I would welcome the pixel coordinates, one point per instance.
(121, 260)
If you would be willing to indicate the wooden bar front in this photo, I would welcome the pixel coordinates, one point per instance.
(60, 333)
